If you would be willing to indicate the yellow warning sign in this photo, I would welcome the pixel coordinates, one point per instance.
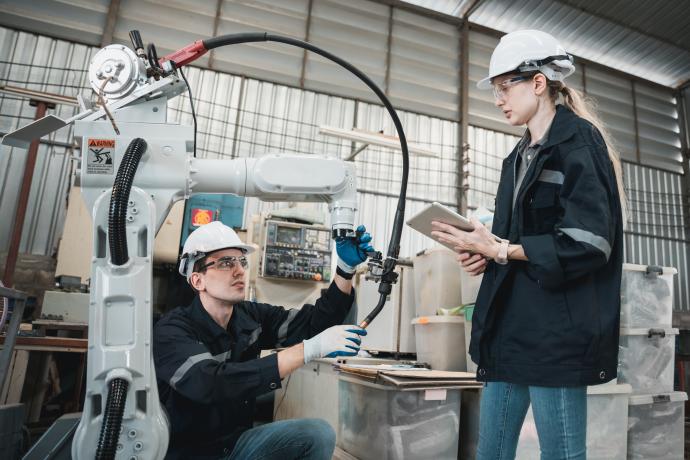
(99, 159)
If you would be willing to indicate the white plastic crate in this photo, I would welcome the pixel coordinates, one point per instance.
(607, 418)
(440, 341)
(646, 359)
(656, 425)
(646, 296)
(437, 276)
(384, 423)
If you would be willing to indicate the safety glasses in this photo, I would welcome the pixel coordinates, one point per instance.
(500, 89)
(227, 263)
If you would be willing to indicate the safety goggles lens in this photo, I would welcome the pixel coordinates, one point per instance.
(500, 89)
(228, 263)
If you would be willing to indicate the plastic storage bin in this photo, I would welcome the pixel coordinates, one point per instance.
(607, 419)
(645, 359)
(646, 296)
(469, 423)
(471, 366)
(470, 287)
(437, 276)
(440, 341)
(656, 426)
(383, 423)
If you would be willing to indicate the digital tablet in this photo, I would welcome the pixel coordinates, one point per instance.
(437, 212)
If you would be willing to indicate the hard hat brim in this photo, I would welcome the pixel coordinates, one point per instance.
(484, 83)
(248, 249)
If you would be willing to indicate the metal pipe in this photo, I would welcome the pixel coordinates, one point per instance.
(463, 108)
(22, 203)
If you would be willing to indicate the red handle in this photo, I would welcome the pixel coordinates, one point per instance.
(186, 55)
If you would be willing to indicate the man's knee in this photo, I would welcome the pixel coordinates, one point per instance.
(320, 432)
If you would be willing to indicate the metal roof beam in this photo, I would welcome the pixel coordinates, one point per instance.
(617, 22)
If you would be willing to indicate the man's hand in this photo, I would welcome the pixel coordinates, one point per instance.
(353, 251)
(335, 341)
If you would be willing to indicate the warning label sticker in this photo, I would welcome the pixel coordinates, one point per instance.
(100, 156)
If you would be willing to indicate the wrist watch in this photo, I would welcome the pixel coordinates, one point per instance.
(502, 256)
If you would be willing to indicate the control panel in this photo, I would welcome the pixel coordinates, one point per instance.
(296, 251)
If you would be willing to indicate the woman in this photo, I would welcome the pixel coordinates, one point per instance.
(546, 318)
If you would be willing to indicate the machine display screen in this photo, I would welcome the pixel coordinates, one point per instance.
(288, 235)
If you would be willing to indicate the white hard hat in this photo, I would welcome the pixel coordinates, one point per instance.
(529, 51)
(206, 239)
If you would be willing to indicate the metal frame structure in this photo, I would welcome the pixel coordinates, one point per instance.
(19, 298)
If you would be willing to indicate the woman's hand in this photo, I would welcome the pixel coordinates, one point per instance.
(474, 264)
(479, 241)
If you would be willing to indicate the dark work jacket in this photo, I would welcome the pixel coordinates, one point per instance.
(554, 321)
(209, 377)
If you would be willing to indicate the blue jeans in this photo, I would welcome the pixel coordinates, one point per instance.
(311, 439)
(560, 415)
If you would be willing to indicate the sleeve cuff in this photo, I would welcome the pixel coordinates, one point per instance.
(543, 260)
(269, 374)
(334, 294)
(345, 267)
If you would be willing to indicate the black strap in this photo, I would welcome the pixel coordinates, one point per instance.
(541, 62)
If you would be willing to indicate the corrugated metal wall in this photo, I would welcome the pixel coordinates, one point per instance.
(430, 179)
(486, 152)
(656, 234)
(37, 63)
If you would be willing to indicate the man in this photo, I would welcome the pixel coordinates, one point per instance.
(207, 354)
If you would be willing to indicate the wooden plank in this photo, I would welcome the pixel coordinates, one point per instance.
(340, 454)
(36, 403)
(17, 377)
(64, 342)
(51, 349)
(55, 324)
(5, 386)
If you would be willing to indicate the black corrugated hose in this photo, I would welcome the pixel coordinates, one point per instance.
(117, 234)
(112, 419)
(117, 239)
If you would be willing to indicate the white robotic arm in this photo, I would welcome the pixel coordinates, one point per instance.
(284, 178)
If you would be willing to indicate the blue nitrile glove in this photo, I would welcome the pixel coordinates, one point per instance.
(352, 251)
(335, 341)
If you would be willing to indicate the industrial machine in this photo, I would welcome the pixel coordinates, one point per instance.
(293, 262)
(134, 166)
(296, 251)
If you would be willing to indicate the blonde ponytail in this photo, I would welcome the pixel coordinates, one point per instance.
(584, 108)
